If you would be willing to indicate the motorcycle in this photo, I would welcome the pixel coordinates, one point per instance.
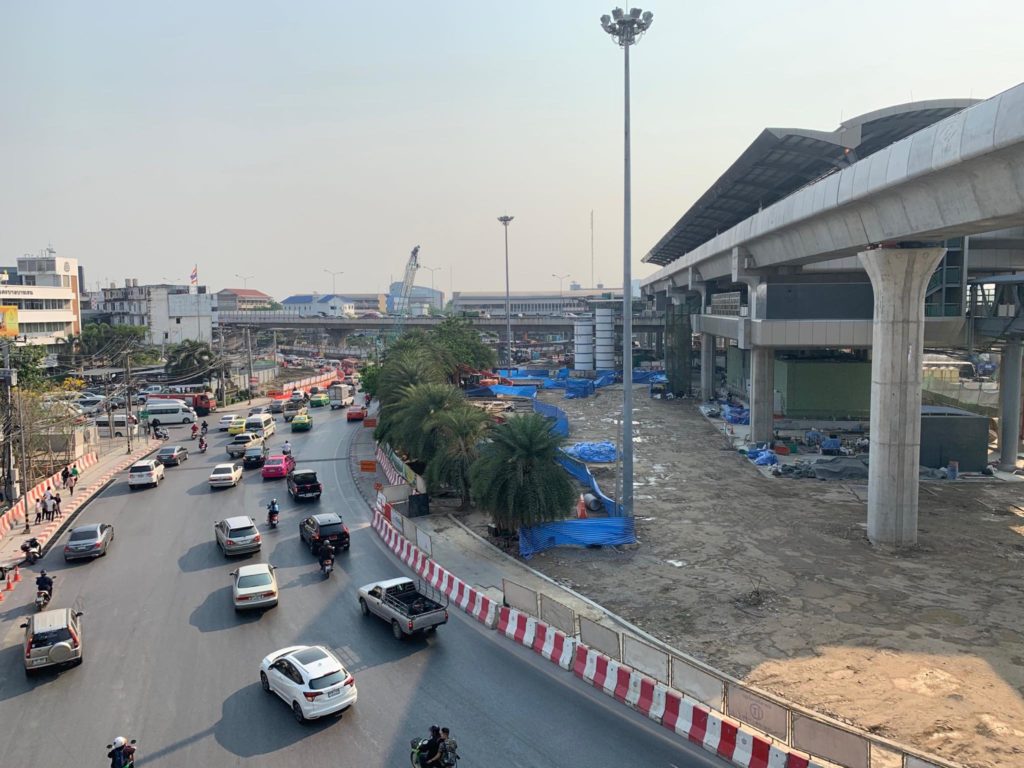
(42, 599)
(162, 434)
(326, 567)
(195, 432)
(128, 750)
(202, 445)
(272, 515)
(32, 549)
(419, 752)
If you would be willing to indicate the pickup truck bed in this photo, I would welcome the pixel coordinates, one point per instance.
(407, 608)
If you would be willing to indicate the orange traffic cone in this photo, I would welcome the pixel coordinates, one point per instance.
(581, 509)
(10, 584)
(2, 597)
(17, 574)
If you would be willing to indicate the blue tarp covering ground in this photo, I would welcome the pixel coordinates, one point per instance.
(560, 425)
(600, 531)
(762, 457)
(580, 471)
(575, 388)
(735, 415)
(501, 389)
(602, 452)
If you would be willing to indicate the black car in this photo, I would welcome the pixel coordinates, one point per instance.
(316, 529)
(256, 456)
(303, 484)
(172, 455)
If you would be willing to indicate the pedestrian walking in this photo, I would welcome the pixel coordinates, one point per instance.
(75, 473)
(56, 505)
(72, 482)
(48, 507)
(39, 512)
(48, 493)
(64, 475)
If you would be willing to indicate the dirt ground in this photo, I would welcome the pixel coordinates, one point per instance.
(773, 580)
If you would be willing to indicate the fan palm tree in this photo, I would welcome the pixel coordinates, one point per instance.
(409, 428)
(459, 432)
(408, 368)
(190, 360)
(516, 478)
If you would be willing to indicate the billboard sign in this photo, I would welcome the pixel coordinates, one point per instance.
(8, 321)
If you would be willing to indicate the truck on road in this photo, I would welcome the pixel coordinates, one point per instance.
(403, 605)
(340, 395)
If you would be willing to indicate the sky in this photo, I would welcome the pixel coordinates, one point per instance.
(277, 140)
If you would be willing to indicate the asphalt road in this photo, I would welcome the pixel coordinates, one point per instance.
(167, 660)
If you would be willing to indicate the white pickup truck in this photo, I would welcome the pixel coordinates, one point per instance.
(406, 608)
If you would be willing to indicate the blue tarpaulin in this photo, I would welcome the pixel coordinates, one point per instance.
(762, 457)
(594, 531)
(602, 452)
(735, 415)
(560, 422)
(582, 473)
(501, 389)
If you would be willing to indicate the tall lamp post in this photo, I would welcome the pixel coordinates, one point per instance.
(245, 279)
(334, 279)
(560, 278)
(432, 271)
(626, 29)
(505, 221)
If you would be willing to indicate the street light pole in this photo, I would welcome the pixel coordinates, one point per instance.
(626, 29)
(245, 279)
(334, 279)
(560, 278)
(505, 221)
(432, 271)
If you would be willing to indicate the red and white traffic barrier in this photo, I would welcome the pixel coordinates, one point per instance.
(554, 645)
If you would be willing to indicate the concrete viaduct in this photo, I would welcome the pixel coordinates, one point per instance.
(887, 215)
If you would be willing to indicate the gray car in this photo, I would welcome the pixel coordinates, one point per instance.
(52, 639)
(237, 535)
(88, 541)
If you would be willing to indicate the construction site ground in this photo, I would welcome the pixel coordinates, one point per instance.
(773, 580)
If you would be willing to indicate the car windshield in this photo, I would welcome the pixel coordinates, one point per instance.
(167, 451)
(50, 637)
(85, 535)
(141, 468)
(254, 580)
(305, 478)
(319, 683)
(329, 529)
(241, 533)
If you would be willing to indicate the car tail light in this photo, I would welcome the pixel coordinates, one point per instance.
(229, 542)
(258, 538)
(410, 625)
(67, 547)
(311, 695)
(28, 648)
(320, 486)
(349, 680)
(316, 537)
(267, 594)
(344, 528)
(74, 637)
(97, 545)
(446, 615)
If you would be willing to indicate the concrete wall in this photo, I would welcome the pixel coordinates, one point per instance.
(820, 389)
(810, 301)
(737, 370)
(963, 439)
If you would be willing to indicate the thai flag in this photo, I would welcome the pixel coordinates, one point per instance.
(194, 277)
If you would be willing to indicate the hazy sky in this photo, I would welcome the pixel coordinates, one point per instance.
(277, 139)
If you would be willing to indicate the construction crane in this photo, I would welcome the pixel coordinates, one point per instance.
(402, 300)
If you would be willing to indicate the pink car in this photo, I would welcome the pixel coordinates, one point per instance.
(277, 466)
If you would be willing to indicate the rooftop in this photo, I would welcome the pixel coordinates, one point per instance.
(247, 293)
(782, 160)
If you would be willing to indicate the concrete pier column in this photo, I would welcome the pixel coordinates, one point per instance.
(762, 394)
(707, 366)
(899, 277)
(1009, 404)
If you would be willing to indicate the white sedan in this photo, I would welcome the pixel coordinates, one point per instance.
(255, 586)
(227, 420)
(310, 679)
(225, 475)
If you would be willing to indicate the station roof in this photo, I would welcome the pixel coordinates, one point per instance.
(782, 160)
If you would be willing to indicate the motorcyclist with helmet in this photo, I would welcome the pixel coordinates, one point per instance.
(44, 583)
(273, 510)
(326, 553)
(122, 753)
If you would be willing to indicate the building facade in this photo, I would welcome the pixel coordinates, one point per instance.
(421, 299)
(45, 289)
(531, 304)
(314, 304)
(242, 300)
(169, 313)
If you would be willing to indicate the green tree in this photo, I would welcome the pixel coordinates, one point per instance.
(409, 426)
(516, 478)
(460, 343)
(406, 368)
(191, 360)
(27, 360)
(369, 379)
(459, 433)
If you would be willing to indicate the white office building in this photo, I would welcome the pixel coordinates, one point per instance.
(170, 314)
(45, 289)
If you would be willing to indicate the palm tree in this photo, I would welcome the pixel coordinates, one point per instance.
(408, 368)
(190, 360)
(459, 432)
(516, 478)
(408, 426)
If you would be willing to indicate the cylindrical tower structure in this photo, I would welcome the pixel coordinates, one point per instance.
(583, 344)
(604, 339)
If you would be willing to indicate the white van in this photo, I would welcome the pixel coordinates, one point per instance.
(170, 412)
(261, 424)
(120, 424)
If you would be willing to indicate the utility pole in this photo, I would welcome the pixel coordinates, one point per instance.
(9, 381)
(24, 456)
(128, 396)
(248, 350)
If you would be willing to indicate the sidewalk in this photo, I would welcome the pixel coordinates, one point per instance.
(91, 482)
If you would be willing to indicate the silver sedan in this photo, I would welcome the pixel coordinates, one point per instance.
(255, 586)
(88, 541)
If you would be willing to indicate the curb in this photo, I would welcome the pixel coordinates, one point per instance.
(50, 532)
(714, 732)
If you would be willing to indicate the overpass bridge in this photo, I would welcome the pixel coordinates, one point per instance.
(889, 217)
